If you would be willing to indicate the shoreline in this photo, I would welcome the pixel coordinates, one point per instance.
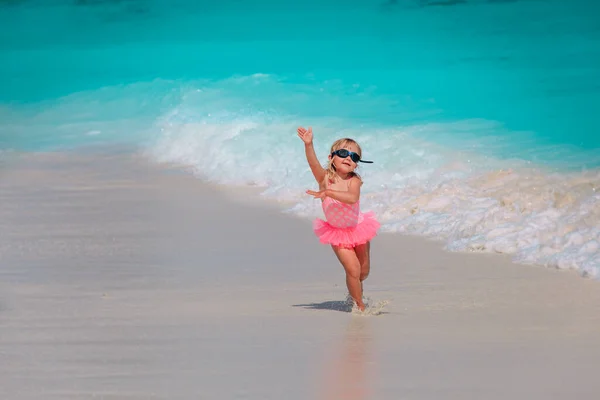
(254, 195)
(123, 279)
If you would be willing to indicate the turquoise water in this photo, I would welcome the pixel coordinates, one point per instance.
(479, 114)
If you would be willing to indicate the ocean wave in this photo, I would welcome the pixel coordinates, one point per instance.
(469, 199)
(470, 183)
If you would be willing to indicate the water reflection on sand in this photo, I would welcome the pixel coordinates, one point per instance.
(348, 366)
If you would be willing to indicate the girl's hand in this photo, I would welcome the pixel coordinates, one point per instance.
(321, 194)
(305, 135)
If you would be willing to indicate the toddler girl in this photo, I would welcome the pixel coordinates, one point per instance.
(346, 229)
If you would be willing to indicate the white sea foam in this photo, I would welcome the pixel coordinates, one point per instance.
(451, 181)
(468, 199)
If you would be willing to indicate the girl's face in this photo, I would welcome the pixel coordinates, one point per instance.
(345, 166)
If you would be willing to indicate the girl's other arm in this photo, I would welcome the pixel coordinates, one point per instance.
(313, 162)
(351, 196)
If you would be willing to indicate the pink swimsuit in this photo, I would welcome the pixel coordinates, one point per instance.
(345, 226)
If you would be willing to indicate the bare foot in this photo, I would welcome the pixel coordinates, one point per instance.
(361, 306)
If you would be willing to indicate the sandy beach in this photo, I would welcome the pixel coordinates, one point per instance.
(121, 279)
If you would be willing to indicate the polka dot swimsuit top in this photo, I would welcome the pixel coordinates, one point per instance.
(341, 215)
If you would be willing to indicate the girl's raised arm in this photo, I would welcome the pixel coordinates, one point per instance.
(313, 162)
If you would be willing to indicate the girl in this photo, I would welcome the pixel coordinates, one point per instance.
(347, 230)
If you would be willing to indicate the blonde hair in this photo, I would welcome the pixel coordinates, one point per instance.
(330, 173)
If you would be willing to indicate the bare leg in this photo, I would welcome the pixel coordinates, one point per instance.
(363, 253)
(351, 265)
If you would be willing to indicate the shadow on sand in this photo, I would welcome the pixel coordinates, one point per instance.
(342, 306)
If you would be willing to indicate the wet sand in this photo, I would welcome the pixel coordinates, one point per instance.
(121, 279)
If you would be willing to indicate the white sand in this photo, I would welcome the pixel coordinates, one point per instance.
(121, 280)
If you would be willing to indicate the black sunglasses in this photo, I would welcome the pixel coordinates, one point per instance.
(343, 153)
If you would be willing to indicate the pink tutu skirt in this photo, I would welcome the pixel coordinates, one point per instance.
(364, 231)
